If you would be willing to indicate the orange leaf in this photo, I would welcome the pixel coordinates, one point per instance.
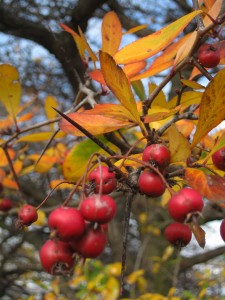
(210, 186)
(212, 109)
(185, 127)
(150, 45)
(111, 33)
(132, 69)
(97, 76)
(163, 61)
(184, 50)
(77, 39)
(25, 117)
(86, 46)
(118, 83)
(213, 12)
(136, 28)
(96, 124)
(10, 184)
(3, 158)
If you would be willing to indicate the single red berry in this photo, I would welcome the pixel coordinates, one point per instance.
(98, 208)
(222, 230)
(186, 201)
(91, 244)
(27, 214)
(67, 222)
(151, 184)
(157, 154)
(5, 204)
(56, 257)
(178, 234)
(218, 158)
(209, 55)
(102, 174)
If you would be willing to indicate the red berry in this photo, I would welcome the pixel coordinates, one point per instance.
(91, 244)
(151, 184)
(157, 154)
(67, 222)
(102, 174)
(178, 234)
(209, 55)
(98, 208)
(222, 229)
(56, 257)
(6, 204)
(27, 215)
(186, 201)
(218, 159)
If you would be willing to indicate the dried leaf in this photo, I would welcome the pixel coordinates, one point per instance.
(198, 232)
(111, 33)
(210, 186)
(150, 45)
(212, 109)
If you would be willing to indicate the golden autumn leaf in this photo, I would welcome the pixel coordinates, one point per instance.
(39, 137)
(178, 145)
(187, 98)
(10, 183)
(111, 33)
(212, 108)
(185, 49)
(3, 159)
(86, 46)
(77, 39)
(50, 102)
(210, 186)
(213, 12)
(10, 89)
(163, 61)
(150, 45)
(118, 83)
(132, 69)
(136, 28)
(192, 84)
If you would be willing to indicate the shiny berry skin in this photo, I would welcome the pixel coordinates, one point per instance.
(186, 201)
(27, 214)
(56, 257)
(178, 234)
(222, 230)
(91, 244)
(108, 180)
(66, 222)
(151, 184)
(218, 159)
(157, 154)
(5, 204)
(98, 208)
(208, 55)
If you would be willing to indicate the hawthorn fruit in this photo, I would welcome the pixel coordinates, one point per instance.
(178, 234)
(56, 257)
(185, 203)
(209, 55)
(5, 204)
(222, 230)
(218, 159)
(157, 154)
(27, 215)
(66, 222)
(151, 184)
(98, 208)
(102, 175)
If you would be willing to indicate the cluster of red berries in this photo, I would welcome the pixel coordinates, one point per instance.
(80, 232)
(209, 55)
(149, 182)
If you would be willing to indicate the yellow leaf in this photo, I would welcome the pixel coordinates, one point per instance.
(213, 12)
(111, 33)
(132, 278)
(120, 86)
(111, 289)
(202, 293)
(39, 137)
(3, 159)
(187, 98)
(136, 28)
(167, 253)
(150, 45)
(114, 269)
(49, 103)
(160, 99)
(178, 145)
(212, 108)
(10, 89)
(193, 84)
(63, 185)
(41, 221)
